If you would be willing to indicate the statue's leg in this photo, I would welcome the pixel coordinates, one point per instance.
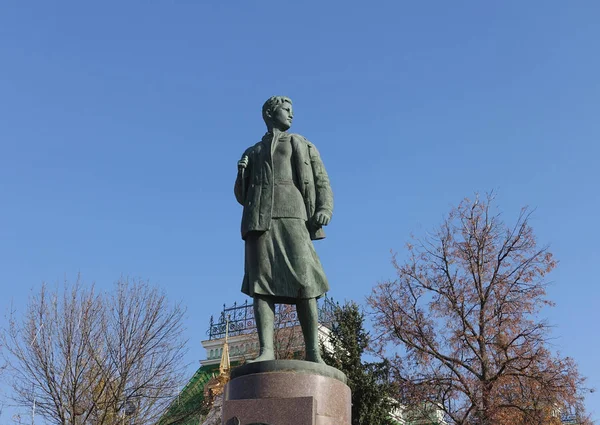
(264, 314)
(308, 315)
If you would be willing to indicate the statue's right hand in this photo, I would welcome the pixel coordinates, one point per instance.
(243, 163)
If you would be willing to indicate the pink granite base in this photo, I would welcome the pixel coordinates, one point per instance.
(271, 411)
(286, 398)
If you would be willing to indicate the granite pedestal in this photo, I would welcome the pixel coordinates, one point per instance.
(286, 392)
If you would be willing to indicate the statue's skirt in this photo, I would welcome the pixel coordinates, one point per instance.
(282, 263)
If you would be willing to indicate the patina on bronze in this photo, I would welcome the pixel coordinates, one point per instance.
(284, 189)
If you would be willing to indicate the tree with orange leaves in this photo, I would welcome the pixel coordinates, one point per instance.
(463, 315)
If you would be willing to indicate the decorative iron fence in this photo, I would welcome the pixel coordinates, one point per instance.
(570, 419)
(241, 318)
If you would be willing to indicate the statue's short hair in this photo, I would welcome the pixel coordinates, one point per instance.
(271, 104)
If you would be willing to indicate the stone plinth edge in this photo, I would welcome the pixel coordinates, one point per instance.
(296, 366)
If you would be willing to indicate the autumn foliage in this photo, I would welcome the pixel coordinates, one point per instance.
(462, 319)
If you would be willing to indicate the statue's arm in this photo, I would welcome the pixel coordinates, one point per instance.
(324, 198)
(237, 189)
(241, 182)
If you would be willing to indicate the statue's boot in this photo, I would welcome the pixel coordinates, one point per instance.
(308, 315)
(265, 353)
(264, 314)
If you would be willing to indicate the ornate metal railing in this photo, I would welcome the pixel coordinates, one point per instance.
(241, 318)
(569, 419)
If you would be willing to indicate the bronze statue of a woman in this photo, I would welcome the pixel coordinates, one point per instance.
(284, 189)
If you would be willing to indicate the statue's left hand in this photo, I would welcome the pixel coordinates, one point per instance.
(322, 218)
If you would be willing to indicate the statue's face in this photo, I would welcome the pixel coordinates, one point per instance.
(282, 116)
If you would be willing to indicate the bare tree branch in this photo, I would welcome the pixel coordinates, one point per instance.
(464, 309)
(84, 357)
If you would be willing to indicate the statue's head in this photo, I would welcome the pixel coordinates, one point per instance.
(277, 113)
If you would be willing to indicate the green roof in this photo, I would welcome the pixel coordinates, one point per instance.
(188, 407)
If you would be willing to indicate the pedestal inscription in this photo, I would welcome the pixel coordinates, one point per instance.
(297, 411)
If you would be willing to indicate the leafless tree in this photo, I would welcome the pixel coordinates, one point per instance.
(85, 357)
(463, 312)
(289, 343)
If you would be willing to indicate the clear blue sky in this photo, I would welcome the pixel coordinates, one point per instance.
(121, 124)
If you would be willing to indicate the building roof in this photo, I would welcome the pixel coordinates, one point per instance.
(189, 406)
